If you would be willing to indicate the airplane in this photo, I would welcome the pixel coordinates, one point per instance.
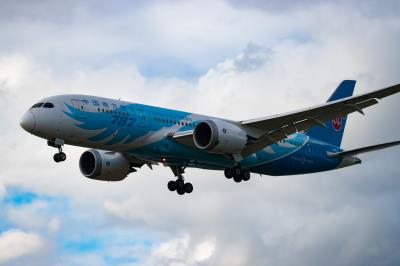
(123, 136)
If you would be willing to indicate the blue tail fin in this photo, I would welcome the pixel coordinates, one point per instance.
(333, 133)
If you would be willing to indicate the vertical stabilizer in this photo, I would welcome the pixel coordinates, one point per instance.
(333, 133)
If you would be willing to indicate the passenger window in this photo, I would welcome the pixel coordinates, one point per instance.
(48, 105)
(37, 105)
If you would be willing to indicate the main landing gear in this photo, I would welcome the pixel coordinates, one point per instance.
(237, 173)
(179, 185)
(60, 156)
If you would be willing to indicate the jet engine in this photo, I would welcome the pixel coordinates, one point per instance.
(104, 165)
(219, 136)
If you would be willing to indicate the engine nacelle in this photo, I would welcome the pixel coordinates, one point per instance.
(103, 165)
(219, 136)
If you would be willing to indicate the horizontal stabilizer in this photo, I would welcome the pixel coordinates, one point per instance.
(350, 153)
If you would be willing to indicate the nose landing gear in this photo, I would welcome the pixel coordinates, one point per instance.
(57, 143)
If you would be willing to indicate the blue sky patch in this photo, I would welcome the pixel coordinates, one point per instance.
(112, 260)
(16, 196)
(83, 245)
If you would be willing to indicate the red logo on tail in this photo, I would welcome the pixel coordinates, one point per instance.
(337, 123)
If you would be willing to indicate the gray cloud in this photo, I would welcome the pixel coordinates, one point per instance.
(372, 8)
(252, 58)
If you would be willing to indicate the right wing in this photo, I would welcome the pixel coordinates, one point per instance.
(280, 126)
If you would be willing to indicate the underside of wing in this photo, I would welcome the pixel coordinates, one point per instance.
(280, 126)
(184, 137)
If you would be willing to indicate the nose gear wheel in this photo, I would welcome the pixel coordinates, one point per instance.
(60, 156)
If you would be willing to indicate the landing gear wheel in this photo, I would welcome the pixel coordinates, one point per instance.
(179, 183)
(62, 156)
(57, 143)
(246, 175)
(180, 190)
(172, 185)
(57, 158)
(180, 186)
(237, 178)
(237, 171)
(229, 173)
(188, 188)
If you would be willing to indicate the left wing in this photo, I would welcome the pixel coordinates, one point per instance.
(280, 126)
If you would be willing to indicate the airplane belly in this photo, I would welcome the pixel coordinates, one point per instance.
(299, 162)
(169, 151)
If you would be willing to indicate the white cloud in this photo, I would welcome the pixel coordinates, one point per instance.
(54, 224)
(28, 216)
(204, 250)
(182, 251)
(2, 189)
(16, 243)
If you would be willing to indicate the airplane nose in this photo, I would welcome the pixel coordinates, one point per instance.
(28, 121)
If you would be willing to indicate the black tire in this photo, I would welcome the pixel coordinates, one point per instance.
(237, 171)
(172, 185)
(229, 173)
(56, 158)
(237, 178)
(180, 184)
(246, 175)
(62, 156)
(188, 188)
(180, 190)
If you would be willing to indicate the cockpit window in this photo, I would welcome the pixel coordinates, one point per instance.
(37, 105)
(48, 105)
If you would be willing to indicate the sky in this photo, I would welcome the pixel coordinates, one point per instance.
(234, 59)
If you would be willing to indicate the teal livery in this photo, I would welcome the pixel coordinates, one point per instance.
(124, 136)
